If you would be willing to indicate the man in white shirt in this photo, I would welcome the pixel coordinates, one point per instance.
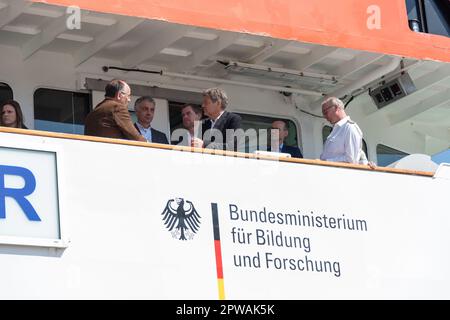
(344, 144)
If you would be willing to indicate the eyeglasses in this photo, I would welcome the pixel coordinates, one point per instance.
(325, 111)
(127, 95)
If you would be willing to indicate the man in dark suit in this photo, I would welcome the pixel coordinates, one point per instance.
(282, 128)
(145, 111)
(219, 130)
(111, 118)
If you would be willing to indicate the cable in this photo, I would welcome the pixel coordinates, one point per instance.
(304, 111)
(106, 69)
(349, 100)
(311, 114)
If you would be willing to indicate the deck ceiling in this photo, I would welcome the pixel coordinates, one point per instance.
(158, 45)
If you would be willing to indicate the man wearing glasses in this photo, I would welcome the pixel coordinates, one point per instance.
(344, 144)
(110, 118)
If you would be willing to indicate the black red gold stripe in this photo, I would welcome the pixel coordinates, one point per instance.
(218, 251)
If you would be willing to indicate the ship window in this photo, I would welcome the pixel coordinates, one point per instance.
(326, 130)
(387, 155)
(60, 111)
(6, 92)
(249, 121)
(430, 16)
(438, 17)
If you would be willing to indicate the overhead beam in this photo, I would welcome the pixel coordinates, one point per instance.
(362, 60)
(113, 33)
(32, 31)
(46, 36)
(75, 37)
(267, 51)
(54, 12)
(102, 21)
(423, 83)
(437, 132)
(422, 106)
(310, 59)
(357, 84)
(210, 48)
(433, 77)
(168, 35)
(12, 11)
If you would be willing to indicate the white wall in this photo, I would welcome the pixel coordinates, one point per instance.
(111, 203)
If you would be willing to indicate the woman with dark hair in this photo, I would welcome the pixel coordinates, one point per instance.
(11, 115)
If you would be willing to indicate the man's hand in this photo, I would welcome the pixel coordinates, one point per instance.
(196, 142)
(372, 165)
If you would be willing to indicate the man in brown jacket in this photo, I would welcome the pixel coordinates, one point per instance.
(110, 118)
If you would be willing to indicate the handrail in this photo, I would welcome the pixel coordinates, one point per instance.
(57, 135)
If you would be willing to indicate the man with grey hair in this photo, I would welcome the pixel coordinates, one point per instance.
(145, 111)
(344, 144)
(219, 122)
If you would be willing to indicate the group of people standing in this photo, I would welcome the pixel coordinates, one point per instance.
(111, 119)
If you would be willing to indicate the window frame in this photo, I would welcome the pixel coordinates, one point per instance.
(65, 90)
(404, 154)
(5, 84)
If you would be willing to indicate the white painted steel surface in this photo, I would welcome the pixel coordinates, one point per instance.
(120, 248)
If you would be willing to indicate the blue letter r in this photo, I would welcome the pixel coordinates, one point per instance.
(18, 194)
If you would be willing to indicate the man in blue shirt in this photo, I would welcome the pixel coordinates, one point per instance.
(145, 110)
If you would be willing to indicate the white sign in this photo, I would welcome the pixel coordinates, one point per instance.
(29, 203)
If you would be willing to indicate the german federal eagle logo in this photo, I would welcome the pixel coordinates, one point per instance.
(181, 218)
